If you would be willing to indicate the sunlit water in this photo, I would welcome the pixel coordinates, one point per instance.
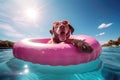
(15, 69)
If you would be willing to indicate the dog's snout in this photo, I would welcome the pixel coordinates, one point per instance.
(62, 27)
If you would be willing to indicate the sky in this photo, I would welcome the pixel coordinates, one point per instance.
(21, 19)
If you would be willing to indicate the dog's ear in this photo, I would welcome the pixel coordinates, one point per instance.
(70, 31)
(71, 28)
(51, 32)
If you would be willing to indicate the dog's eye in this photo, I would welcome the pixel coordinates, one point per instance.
(57, 24)
(64, 22)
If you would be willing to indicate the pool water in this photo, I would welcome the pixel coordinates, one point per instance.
(12, 68)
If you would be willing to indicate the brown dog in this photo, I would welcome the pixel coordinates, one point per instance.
(61, 32)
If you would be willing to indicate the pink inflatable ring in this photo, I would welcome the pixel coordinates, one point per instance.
(37, 50)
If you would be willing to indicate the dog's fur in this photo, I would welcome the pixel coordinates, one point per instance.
(61, 32)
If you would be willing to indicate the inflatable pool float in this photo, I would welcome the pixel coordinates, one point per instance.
(36, 50)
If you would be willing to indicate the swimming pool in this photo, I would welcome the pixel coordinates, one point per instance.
(15, 69)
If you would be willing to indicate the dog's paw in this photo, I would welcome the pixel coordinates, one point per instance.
(85, 47)
(82, 46)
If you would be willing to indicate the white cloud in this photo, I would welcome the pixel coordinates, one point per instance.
(10, 31)
(27, 13)
(15, 35)
(103, 25)
(100, 34)
(7, 28)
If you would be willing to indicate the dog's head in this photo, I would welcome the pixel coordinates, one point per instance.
(61, 30)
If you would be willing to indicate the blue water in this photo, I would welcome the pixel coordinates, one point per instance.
(15, 69)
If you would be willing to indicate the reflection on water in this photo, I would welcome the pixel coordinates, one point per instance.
(15, 69)
(111, 58)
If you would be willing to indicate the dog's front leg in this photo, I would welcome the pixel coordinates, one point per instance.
(82, 46)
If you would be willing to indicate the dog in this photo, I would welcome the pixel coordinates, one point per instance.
(61, 31)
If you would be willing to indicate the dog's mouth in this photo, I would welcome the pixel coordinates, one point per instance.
(62, 36)
(62, 33)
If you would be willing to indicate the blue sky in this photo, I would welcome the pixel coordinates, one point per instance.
(33, 18)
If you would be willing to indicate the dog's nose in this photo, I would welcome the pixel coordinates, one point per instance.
(62, 27)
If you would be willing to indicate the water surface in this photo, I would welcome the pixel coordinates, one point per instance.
(12, 68)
